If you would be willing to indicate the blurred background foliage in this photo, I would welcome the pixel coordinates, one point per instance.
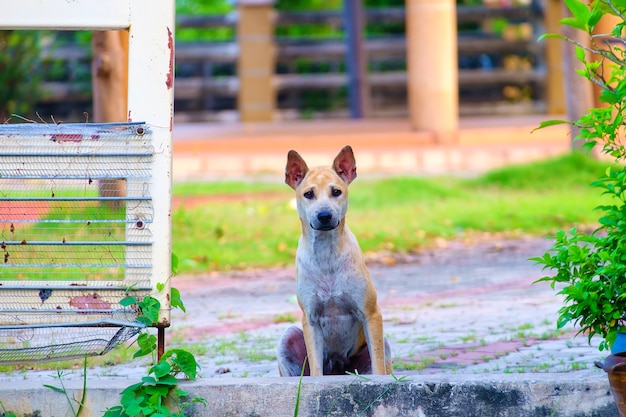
(20, 75)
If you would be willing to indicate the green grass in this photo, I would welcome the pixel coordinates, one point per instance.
(188, 189)
(400, 214)
(237, 225)
(67, 222)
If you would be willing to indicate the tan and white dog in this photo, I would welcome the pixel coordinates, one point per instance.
(342, 326)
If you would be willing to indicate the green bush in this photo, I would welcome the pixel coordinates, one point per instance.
(20, 75)
(589, 269)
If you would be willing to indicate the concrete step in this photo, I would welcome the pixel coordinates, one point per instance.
(580, 394)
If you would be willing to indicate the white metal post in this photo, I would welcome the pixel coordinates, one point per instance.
(150, 100)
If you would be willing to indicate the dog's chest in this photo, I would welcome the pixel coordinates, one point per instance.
(331, 293)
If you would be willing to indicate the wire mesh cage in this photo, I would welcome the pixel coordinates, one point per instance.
(75, 237)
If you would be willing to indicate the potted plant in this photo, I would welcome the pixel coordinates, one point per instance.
(589, 269)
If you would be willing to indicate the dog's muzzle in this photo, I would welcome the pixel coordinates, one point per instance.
(324, 221)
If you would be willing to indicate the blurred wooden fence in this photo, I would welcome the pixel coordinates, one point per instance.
(499, 73)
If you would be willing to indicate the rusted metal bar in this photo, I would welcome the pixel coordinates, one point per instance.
(160, 341)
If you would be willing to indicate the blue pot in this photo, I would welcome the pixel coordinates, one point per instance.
(620, 344)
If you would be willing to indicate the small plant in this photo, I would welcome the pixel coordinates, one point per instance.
(285, 318)
(590, 268)
(71, 400)
(157, 394)
(299, 392)
(576, 366)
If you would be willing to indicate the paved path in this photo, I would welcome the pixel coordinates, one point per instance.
(462, 309)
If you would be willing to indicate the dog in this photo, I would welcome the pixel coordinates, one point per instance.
(342, 325)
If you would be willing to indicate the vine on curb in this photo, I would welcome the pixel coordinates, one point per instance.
(158, 394)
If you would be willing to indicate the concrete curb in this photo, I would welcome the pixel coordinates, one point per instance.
(214, 151)
(579, 394)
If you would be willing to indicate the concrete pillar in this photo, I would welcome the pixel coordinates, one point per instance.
(432, 67)
(256, 62)
(555, 85)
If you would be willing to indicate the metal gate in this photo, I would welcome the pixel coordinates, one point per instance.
(68, 251)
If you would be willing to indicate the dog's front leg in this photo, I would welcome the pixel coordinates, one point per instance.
(376, 342)
(314, 342)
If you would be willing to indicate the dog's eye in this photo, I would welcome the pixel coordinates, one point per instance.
(309, 195)
(336, 192)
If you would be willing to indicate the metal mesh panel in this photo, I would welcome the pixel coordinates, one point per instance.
(23, 344)
(75, 236)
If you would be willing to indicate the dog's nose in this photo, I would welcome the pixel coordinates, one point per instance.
(324, 217)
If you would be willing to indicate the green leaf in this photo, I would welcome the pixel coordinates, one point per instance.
(609, 97)
(176, 300)
(168, 380)
(588, 146)
(595, 17)
(174, 263)
(183, 361)
(129, 391)
(548, 123)
(132, 403)
(580, 53)
(116, 411)
(619, 28)
(149, 307)
(149, 380)
(579, 10)
(550, 36)
(134, 409)
(581, 72)
(161, 369)
(128, 301)
(572, 22)
(56, 389)
(146, 343)
(158, 390)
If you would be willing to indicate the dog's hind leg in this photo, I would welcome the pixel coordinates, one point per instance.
(362, 363)
(291, 353)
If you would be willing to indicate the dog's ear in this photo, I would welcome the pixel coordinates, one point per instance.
(295, 170)
(345, 165)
